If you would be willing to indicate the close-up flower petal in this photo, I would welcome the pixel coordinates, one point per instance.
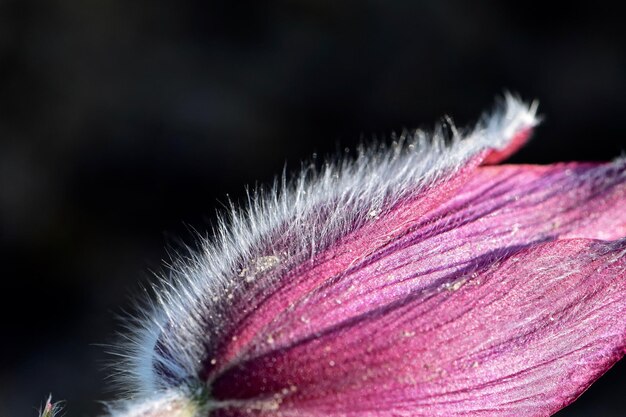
(416, 280)
(522, 333)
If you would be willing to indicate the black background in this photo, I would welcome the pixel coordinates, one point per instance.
(124, 124)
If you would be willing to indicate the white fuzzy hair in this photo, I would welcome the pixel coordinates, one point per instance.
(168, 343)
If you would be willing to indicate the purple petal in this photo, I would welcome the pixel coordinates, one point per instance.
(500, 209)
(296, 237)
(534, 203)
(413, 281)
(519, 335)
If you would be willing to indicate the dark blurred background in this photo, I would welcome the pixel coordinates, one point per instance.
(124, 125)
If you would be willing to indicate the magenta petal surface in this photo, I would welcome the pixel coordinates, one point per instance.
(498, 210)
(411, 286)
(520, 334)
(530, 203)
(414, 280)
